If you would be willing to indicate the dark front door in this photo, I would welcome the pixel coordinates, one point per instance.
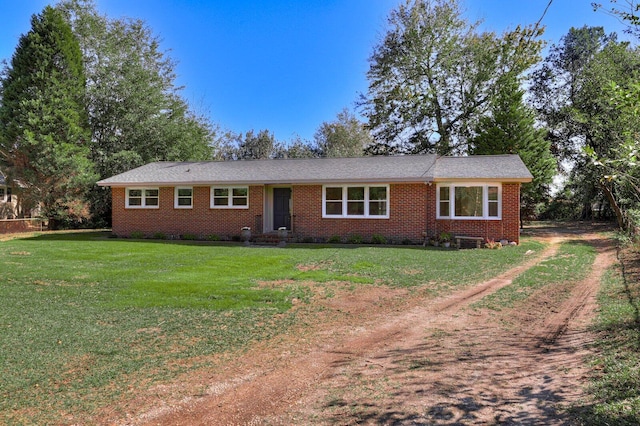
(281, 213)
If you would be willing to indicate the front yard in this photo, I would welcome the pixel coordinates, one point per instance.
(86, 321)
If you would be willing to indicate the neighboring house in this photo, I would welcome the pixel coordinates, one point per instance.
(8, 202)
(402, 198)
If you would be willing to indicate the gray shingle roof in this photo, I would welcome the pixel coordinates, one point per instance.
(408, 168)
(504, 167)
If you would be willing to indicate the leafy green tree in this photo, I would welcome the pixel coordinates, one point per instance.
(510, 128)
(433, 74)
(557, 89)
(619, 174)
(629, 13)
(44, 131)
(136, 112)
(618, 169)
(570, 94)
(251, 146)
(258, 146)
(298, 148)
(344, 137)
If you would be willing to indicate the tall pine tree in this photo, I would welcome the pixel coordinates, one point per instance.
(510, 129)
(44, 129)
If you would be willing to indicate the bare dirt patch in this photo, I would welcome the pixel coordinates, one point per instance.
(396, 356)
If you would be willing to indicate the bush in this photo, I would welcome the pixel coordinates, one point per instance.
(190, 237)
(336, 239)
(137, 235)
(355, 239)
(378, 239)
(213, 237)
(159, 236)
(407, 242)
(307, 240)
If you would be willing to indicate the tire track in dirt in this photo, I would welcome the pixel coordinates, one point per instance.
(436, 363)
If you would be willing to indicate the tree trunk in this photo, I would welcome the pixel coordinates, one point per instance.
(614, 205)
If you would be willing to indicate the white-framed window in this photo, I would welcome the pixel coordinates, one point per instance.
(142, 198)
(183, 197)
(469, 201)
(229, 197)
(355, 201)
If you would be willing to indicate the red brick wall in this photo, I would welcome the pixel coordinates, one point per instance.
(200, 220)
(412, 211)
(9, 226)
(408, 209)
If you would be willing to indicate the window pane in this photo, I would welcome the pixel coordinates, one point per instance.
(135, 193)
(151, 201)
(355, 193)
(151, 192)
(355, 208)
(493, 193)
(221, 192)
(444, 208)
(444, 193)
(184, 201)
(221, 201)
(378, 193)
(1, 192)
(334, 208)
(239, 192)
(493, 209)
(184, 192)
(333, 193)
(135, 201)
(240, 201)
(378, 208)
(468, 201)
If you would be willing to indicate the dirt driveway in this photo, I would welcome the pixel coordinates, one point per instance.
(394, 357)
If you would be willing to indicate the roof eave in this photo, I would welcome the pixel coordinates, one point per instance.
(484, 179)
(105, 183)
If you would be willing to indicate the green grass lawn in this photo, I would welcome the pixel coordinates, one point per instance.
(572, 262)
(85, 319)
(615, 384)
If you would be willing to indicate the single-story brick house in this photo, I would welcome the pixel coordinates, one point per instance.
(402, 198)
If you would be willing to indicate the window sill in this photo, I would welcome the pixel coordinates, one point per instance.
(354, 217)
(467, 218)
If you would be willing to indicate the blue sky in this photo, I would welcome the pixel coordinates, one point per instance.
(287, 65)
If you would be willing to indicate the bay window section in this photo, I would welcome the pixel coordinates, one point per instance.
(142, 198)
(357, 201)
(493, 201)
(472, 201)
(444, 202)
(468, 201)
